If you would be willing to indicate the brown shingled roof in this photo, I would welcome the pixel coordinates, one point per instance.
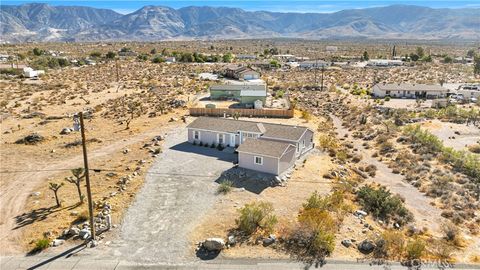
(275, 131)
(264, 147)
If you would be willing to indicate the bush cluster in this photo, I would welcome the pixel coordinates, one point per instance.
(256, 215)
(382, 204)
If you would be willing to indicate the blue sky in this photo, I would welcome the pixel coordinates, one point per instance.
(124, 6)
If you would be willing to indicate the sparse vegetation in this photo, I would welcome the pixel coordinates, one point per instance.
(225, 187)
(255, 216)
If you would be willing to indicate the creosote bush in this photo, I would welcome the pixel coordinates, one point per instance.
(415, 249)
(256, 215)
(225, 187)
(41, 244)
(382, 204)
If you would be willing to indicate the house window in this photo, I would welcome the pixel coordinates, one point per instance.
(196, 135)
(258, 160)
(303, 144)
(221, 138)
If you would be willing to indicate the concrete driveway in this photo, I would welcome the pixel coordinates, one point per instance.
(179, 188)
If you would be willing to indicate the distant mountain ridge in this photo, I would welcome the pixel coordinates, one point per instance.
(42, 22)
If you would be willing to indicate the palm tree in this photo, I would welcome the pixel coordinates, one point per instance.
(55, 187)
(78, 175)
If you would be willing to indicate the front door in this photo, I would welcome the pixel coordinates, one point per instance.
(232, 140)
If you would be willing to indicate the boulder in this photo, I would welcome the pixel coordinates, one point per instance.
(270, 240)
(214, 244)
(57, 242)
(347, 242)
(65, 131)
(366, 246)
(360, 213)
(31, 139)
(231, 240)
(84, 233)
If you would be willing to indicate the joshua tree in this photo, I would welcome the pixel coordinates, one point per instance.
(78, 175)
(55, 187)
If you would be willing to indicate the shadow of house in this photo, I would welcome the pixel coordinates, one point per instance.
(252, 181)
(224, 155)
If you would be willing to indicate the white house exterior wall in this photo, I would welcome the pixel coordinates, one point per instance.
(270, 165)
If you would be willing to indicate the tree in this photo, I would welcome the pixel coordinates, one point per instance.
(471, 53)
(420, 52)
(365, 56)
(158, 59)
(275, 64)
(414, 57)
(447, 59)
(95, 54)
(133, 109)
(476, 64)
(125, 49)
(427, 58)
(63, 62)
(110, 55)
(37, 51)
(55, 187)
(78, 175)
(153, 51)
(227, 58)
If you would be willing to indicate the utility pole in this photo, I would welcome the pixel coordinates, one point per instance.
(116, 66)
(323, 70)
(315, 69)
(87, 176)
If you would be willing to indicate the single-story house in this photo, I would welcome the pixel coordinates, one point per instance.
(241, 73)
(470, 90)
(245, 92)
(313, 64)
(384, 63)
(264, 147)
(404, 90)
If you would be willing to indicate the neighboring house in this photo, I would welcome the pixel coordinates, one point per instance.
(246, 57)
(404, 90)
(241, 73)
(29, 72)
(384, 63)
(264, 147)
(245, 92)
(470, 90)
(285, 57)
(331, 48)
(313, 64)
(170, 59)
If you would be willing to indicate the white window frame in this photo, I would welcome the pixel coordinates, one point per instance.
(255, 160)
(196, 135)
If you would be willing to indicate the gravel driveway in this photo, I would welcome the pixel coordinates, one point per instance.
(178, 190)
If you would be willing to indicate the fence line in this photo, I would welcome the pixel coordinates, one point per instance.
(242, 112)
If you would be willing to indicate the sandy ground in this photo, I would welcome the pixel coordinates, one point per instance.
(457, 136)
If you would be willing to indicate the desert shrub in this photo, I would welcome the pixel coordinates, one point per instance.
(474, 148)
(225, 187)
(306, 116)
(314, 237)
(387, 98)
(440, 185)
(41, 244)
(382, 204)
(451, 233)
(342, 155)
(441, 249)
(332, 202)
(415, 249)
(328, 142)
(428, 143)
(390, 245)
(256, 215)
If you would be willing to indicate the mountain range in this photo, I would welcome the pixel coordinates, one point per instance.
(43, 22)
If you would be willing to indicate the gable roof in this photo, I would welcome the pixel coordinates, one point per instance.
(264, 147)
(274, 131)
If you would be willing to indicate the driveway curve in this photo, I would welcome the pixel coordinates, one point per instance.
(179, 188)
